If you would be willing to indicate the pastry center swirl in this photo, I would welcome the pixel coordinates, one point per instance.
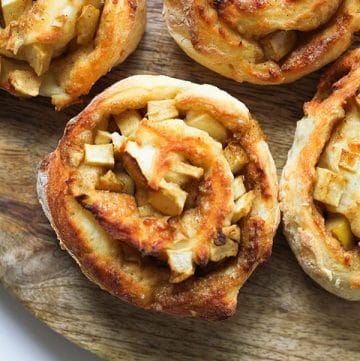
(168, 184)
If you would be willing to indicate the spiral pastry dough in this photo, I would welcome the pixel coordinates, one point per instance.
(266, 41)
(320, 185)
(59, 49)
(165, 193)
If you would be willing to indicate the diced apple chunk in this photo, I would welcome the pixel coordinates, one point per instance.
(99, 155)
(177, 178)
(87, 24)
(229, 249)
(158, 110)
(188, 169)
(12, 9)
(144, 157)
(238, 187)
(149, 211)
(329, 187)
(25, 82)
(349, 160)
(39, 57)
(339, 227)
(169, 199)
(354, 146)
(278, 44)
(118, 143)
(109, 182)
(236, 157)
(181, 264)
(206, 123)
(116, 182)
(102, 137)
(233, 232)
(126, 180)
(128, 122)
(243, 206)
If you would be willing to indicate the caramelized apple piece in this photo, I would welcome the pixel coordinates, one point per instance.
(141, 197)
(354, 146)
(238, 187)
(278, 44)
(102, 137)
(206, 123)
(128, 122)
(236, 157)
(99, 155)
(339, 227)
(158, 110)
(12, 9)
(181, 264)
(349, 160)
(128, 183)
(87, 24)
(243, 206)
(229, 249)
(169, 200)
(329, 186)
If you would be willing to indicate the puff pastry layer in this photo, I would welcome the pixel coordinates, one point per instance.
(59, 49)
(263, 42)
(165, 193)
(320, 185)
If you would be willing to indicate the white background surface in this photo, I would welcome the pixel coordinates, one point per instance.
(24, 338)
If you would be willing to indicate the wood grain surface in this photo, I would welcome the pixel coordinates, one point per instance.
(282, 314)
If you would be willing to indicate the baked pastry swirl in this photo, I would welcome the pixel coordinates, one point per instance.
(320, 185)
(263, 42)
(165, 193)
(59, 49)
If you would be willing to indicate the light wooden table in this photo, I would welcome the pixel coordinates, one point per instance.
(282, 314)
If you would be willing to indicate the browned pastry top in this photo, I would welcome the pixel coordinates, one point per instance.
(320, 186)
(263, 41)
(59, 49)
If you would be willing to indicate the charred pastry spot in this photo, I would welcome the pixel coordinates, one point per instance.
(217, 3)
(220, 239)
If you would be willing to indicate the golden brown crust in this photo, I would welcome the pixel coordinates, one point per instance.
(318, 252)
(53, 62)
(212, 292)
(232, 37)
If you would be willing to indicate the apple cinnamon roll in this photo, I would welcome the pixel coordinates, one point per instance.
(59, 49)
(320, 185)
(165, 193)
(263, 42)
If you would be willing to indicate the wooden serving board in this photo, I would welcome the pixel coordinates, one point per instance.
(282, 314)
